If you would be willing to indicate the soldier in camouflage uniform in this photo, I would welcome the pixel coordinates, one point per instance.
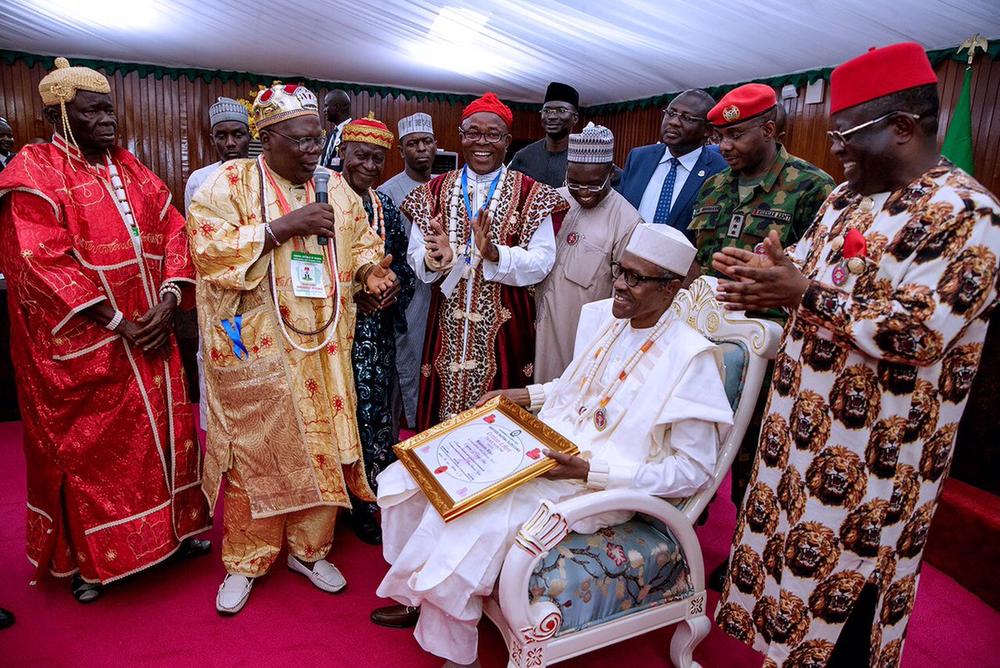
(764, 189)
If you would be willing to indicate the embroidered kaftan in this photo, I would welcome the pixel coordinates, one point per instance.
(373, 354)
(657, 440)
(113, 462)
(283, 417)
(482, 337)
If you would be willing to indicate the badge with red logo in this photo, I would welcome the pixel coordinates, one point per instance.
(572, 238)
(600, 419)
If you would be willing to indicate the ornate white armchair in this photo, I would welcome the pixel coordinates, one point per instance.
(563, 594)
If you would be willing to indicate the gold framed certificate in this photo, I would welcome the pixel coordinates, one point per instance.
(479, 455)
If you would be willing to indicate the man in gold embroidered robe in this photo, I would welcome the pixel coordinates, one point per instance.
(281, 413)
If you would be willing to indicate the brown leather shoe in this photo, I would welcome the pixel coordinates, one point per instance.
(396, 616)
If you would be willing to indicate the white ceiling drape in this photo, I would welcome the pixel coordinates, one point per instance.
(610, 50)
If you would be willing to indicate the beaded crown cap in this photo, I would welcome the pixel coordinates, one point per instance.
(282, 102)
(61, 84)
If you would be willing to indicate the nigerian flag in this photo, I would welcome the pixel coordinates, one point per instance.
(957, 145)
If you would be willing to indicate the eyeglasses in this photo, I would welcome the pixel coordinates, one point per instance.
(633, 279)
(473, 136)
(683, 115)
(305, 144)
(844, 136)
(555, 111)
(576, 187)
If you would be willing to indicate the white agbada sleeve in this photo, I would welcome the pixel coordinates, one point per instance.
(692, 442)
(525, 266)
(416, 251)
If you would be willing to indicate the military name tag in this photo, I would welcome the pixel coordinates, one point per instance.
(705, 210)
(307, 275)
(736, 226)
(773, 214)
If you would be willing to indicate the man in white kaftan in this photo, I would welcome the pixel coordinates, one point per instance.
(663, 442)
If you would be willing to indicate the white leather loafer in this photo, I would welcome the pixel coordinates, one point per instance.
(233, 594)
(323, 575)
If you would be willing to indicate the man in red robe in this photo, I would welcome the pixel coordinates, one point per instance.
(96, 262)
(482, 235)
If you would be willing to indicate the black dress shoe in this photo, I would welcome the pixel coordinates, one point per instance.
(6, 618)
(396, 616)
(717, 579)
(366, 527)
(193, 547)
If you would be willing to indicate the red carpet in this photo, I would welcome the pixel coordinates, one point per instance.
(166, 616)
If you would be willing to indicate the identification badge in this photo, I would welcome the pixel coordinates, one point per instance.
(307, 275)
(736, 226)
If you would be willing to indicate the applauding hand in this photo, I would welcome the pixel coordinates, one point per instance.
(768, 280)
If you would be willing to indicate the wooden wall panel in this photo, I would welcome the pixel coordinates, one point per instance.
(165, 121)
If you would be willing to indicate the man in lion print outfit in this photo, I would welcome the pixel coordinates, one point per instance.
(889, 294)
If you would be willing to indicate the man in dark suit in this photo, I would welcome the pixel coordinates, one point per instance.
(662, 180)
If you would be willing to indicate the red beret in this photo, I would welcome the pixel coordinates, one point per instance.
(741, 104)
(491, 103)
(878, 73)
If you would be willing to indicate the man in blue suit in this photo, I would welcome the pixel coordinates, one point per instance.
(662, 180)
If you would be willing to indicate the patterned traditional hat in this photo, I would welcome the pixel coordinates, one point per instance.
(418, 122)
(662, 245)
(228, 109)
(61, 84)
(491, 103)
(595, 144)
(741, 104)
(878, 73)
(368, 131)
(282, 102)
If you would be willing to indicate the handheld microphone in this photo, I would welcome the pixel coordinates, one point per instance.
(321, 180)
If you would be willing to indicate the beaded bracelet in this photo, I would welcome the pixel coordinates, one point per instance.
(116, 320)
(172, 289)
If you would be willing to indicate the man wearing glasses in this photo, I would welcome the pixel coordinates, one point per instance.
(593, 235)
(888, 294)
(662, 180)
(545, 159)
(481, 236)
(276, 327)
(644, 401)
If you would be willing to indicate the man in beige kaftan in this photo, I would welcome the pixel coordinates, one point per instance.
(276, 333)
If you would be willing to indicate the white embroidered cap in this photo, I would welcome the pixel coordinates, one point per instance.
(662, 245)
(595, 144)
(228, 109)
(418, 122)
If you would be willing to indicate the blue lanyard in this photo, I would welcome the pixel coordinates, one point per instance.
(468, 205)
(234, 329)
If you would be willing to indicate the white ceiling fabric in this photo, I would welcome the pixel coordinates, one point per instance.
(609, 50)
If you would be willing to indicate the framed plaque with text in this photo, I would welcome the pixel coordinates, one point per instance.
(479, 455)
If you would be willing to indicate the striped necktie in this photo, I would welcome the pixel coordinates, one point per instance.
(666, 194)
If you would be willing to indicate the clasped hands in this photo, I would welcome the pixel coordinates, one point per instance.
(761, 280)
(438, 247)
(381, 288)
(568, 467)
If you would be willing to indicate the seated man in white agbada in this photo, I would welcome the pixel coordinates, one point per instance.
(643, 400)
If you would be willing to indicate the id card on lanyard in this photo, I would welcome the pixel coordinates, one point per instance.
(307, 275)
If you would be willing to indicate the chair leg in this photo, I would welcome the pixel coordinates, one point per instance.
(687, 636)
(531, 655)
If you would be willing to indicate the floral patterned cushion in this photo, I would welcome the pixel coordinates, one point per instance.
(595, 578)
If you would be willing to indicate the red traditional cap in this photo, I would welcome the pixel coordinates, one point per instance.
(878, 73)
(491, 103)
(368, 131)
(741, 104)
